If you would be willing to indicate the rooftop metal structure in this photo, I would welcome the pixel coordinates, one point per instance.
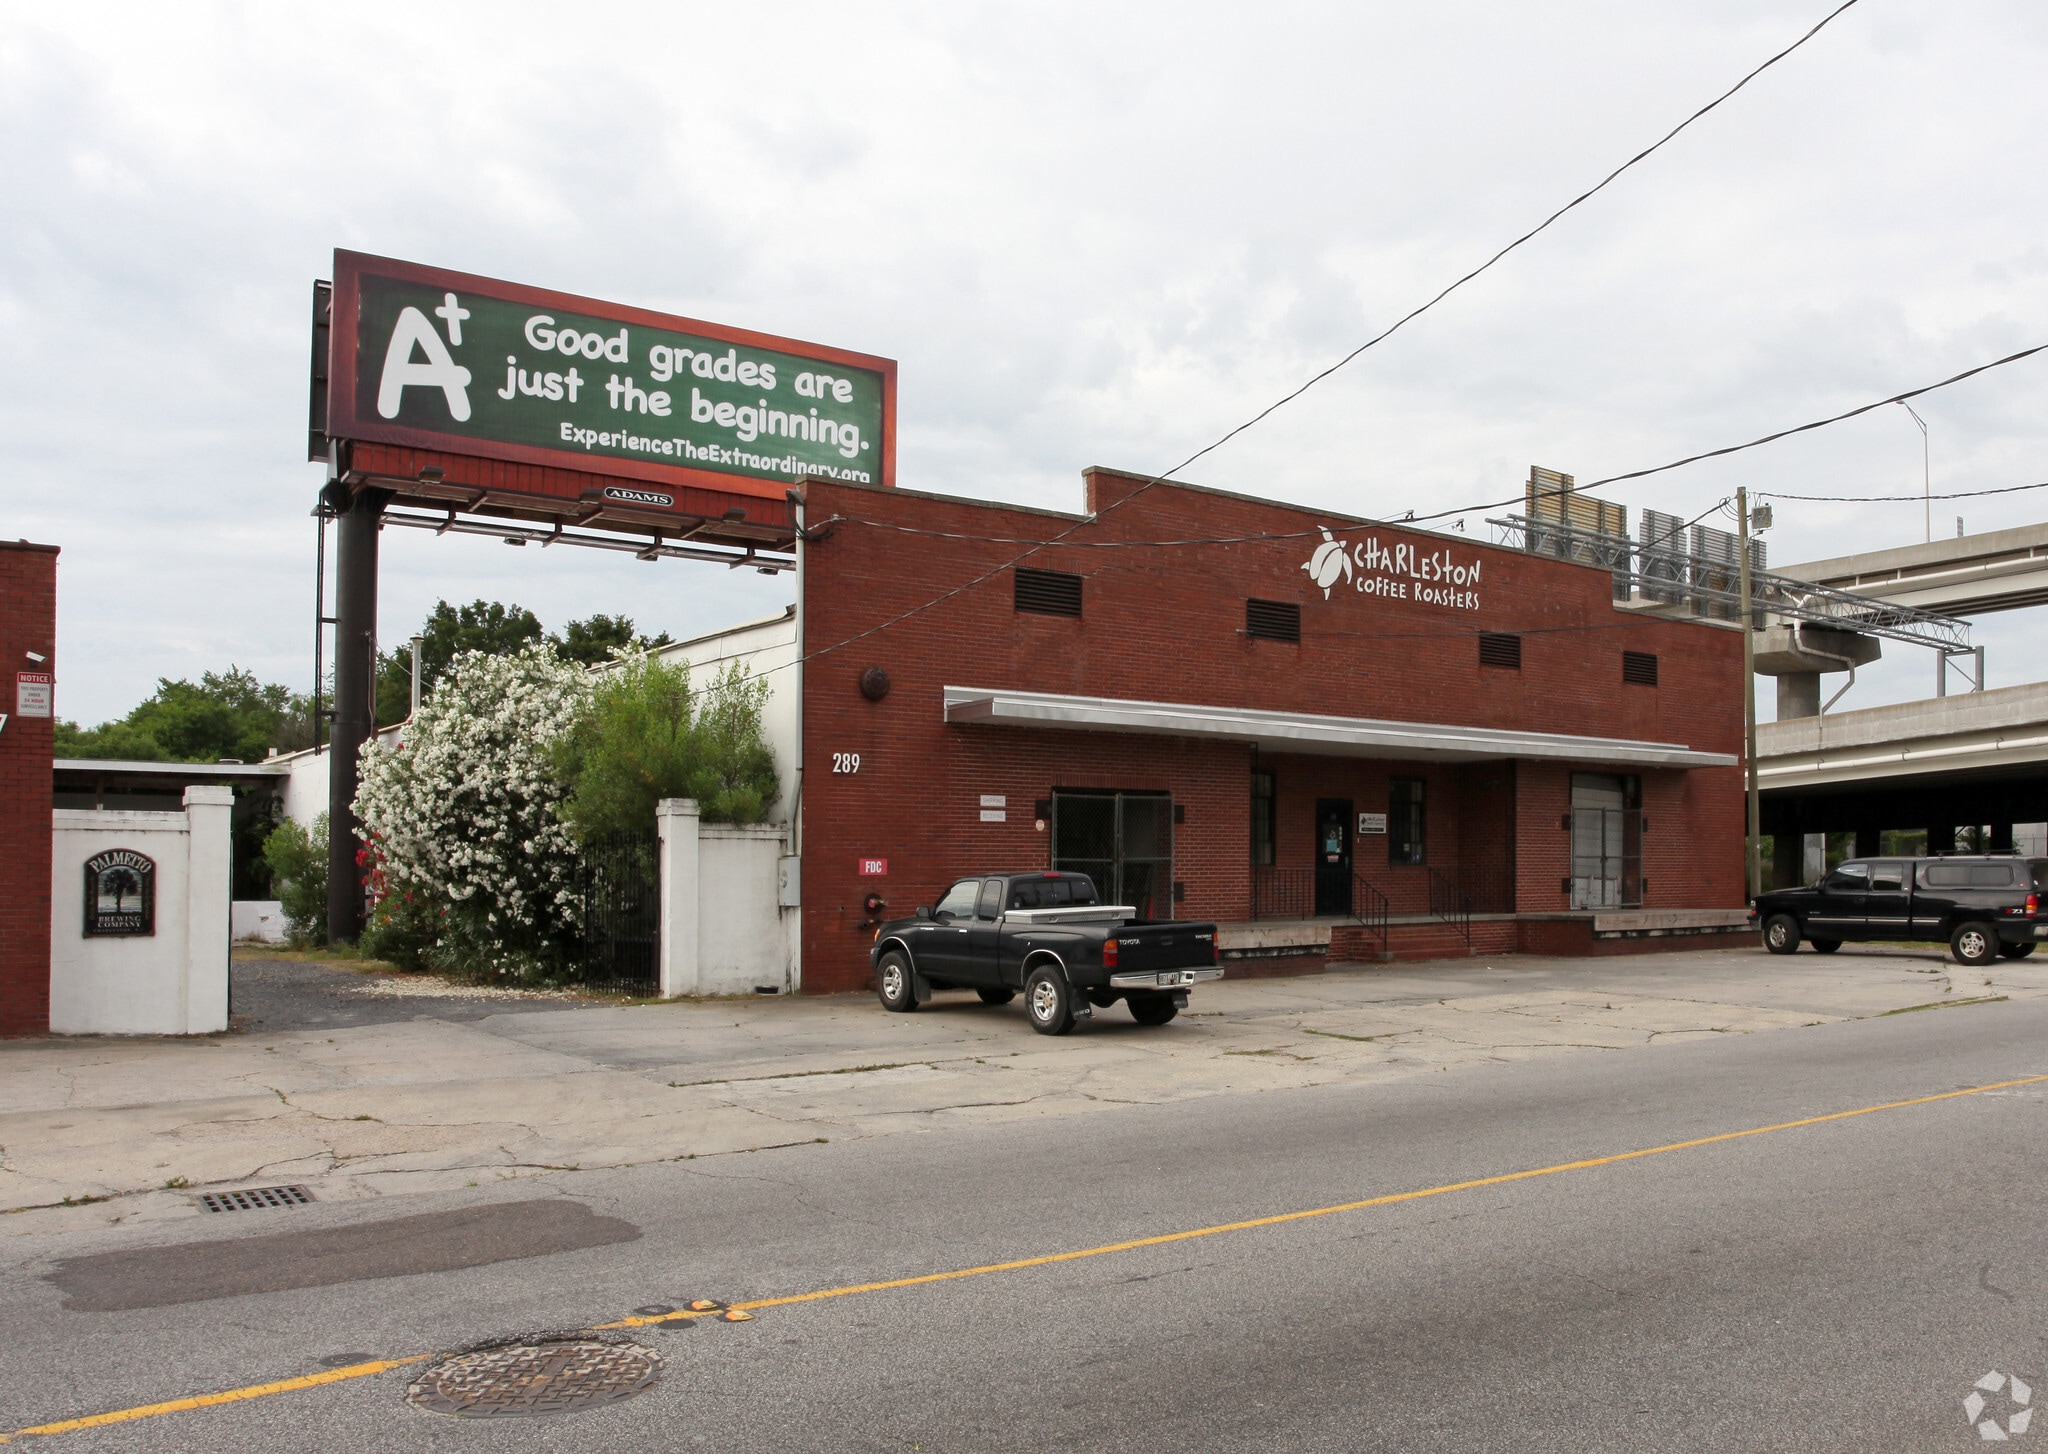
(1693, 571)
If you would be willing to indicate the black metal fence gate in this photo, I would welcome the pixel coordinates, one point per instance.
(620, 887)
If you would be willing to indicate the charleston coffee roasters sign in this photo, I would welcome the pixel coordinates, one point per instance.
(1400, 572)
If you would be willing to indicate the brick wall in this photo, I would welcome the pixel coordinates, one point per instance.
(1167, 624)
(28, 622)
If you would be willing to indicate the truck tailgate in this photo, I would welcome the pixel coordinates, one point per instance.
(1141, 948)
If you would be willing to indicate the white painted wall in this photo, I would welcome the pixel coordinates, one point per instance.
(260, 920)
(723, 929)
(172, 982)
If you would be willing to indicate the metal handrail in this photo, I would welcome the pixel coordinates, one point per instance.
(1670, 573)
(1449, 903)
(1375, 914)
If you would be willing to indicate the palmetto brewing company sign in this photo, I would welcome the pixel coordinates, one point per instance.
(1403, 571)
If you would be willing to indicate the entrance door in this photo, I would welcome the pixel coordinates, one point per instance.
(1333, 856)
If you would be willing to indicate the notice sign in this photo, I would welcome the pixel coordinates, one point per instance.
(34, 692)
(874, 868)
(120, 894)
(1372, 822)
(424, 357)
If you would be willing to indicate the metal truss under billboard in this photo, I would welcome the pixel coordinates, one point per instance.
(433, 360)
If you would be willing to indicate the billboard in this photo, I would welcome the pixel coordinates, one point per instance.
(431, 359)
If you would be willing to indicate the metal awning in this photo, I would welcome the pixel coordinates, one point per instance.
(1296, 732)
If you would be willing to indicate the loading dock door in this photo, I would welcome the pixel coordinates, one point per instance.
(1606, 841)
(1123, 841)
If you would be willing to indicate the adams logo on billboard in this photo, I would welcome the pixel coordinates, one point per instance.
(424, 357)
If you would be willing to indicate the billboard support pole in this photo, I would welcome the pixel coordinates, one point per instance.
(355, 635)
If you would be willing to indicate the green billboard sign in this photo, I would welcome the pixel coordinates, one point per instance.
(470, 365)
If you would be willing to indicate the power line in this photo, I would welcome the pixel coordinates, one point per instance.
(1901, 499)
(1386, 333)
(1822, 423)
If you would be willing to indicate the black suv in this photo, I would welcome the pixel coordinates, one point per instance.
(1984, 905)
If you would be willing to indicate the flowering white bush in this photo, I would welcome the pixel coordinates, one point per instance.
(465, 812)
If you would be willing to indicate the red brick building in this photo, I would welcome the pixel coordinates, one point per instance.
(28, 647)
(1329, 735)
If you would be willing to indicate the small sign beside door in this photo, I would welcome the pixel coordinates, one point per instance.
(1372, 823)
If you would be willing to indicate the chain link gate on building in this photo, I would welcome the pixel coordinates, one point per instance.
(619, 885)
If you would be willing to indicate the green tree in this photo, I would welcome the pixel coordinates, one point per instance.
(297, 860)
(645, 735)
(597, 640)
(496, 630)
(224, 714)
(491, 627)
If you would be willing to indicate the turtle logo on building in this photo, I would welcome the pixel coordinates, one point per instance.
(2018, 1397)
(1331, 561)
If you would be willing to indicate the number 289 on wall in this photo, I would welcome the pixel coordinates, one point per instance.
(846, 762)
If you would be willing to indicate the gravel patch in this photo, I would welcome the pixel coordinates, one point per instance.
(433, 986)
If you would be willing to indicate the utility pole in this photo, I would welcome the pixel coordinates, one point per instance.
(1926, 477)
(417, 642)
(1752, 841)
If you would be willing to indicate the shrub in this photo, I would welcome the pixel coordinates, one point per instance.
(643, 735)
(463, 816)
(297, 860)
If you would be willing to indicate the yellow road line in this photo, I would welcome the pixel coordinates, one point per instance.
(1283, 1218)
(208, 1400)
(362, 1370)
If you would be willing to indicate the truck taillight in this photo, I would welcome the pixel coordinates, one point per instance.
(1109, 954)
(2033, 904)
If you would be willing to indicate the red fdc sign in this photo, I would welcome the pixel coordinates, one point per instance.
(874, 868)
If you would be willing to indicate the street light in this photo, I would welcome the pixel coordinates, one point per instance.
(1926, 498)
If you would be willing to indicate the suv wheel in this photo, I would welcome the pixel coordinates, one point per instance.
(996, 997)
(1825, 946)
(1974, 944)
(2015, 951)
(892, 983)
(1781, 934)
(1049, 1001)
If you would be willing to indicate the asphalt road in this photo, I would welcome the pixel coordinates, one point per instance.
(1835, 1286)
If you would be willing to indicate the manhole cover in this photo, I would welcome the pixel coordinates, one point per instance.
(526, 1379)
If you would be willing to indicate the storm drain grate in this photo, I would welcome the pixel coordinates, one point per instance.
(255, 1199)
(527, 1379)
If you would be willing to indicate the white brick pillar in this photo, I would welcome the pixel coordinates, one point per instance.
(209, 892)
(676, 821)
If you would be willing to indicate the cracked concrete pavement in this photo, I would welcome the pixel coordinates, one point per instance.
(128, 1130)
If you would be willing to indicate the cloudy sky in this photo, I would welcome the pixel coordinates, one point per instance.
(1089, 233)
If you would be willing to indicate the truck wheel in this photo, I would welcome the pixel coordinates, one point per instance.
(1825, 946)
(1152, 1009)
(1974, 944)
(2015, 951)
(996, 997)
(892, 983)
(1781, 934)
(1049, 1000)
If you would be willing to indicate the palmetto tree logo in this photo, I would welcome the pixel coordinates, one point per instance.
(1331, 562)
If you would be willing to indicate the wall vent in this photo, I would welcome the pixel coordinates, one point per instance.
(1639, 667)
(1273, 620)
(1500, 648)
(1048, 592)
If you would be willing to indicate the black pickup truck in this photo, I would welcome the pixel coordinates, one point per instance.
(1983, 905)
(1048, 935)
